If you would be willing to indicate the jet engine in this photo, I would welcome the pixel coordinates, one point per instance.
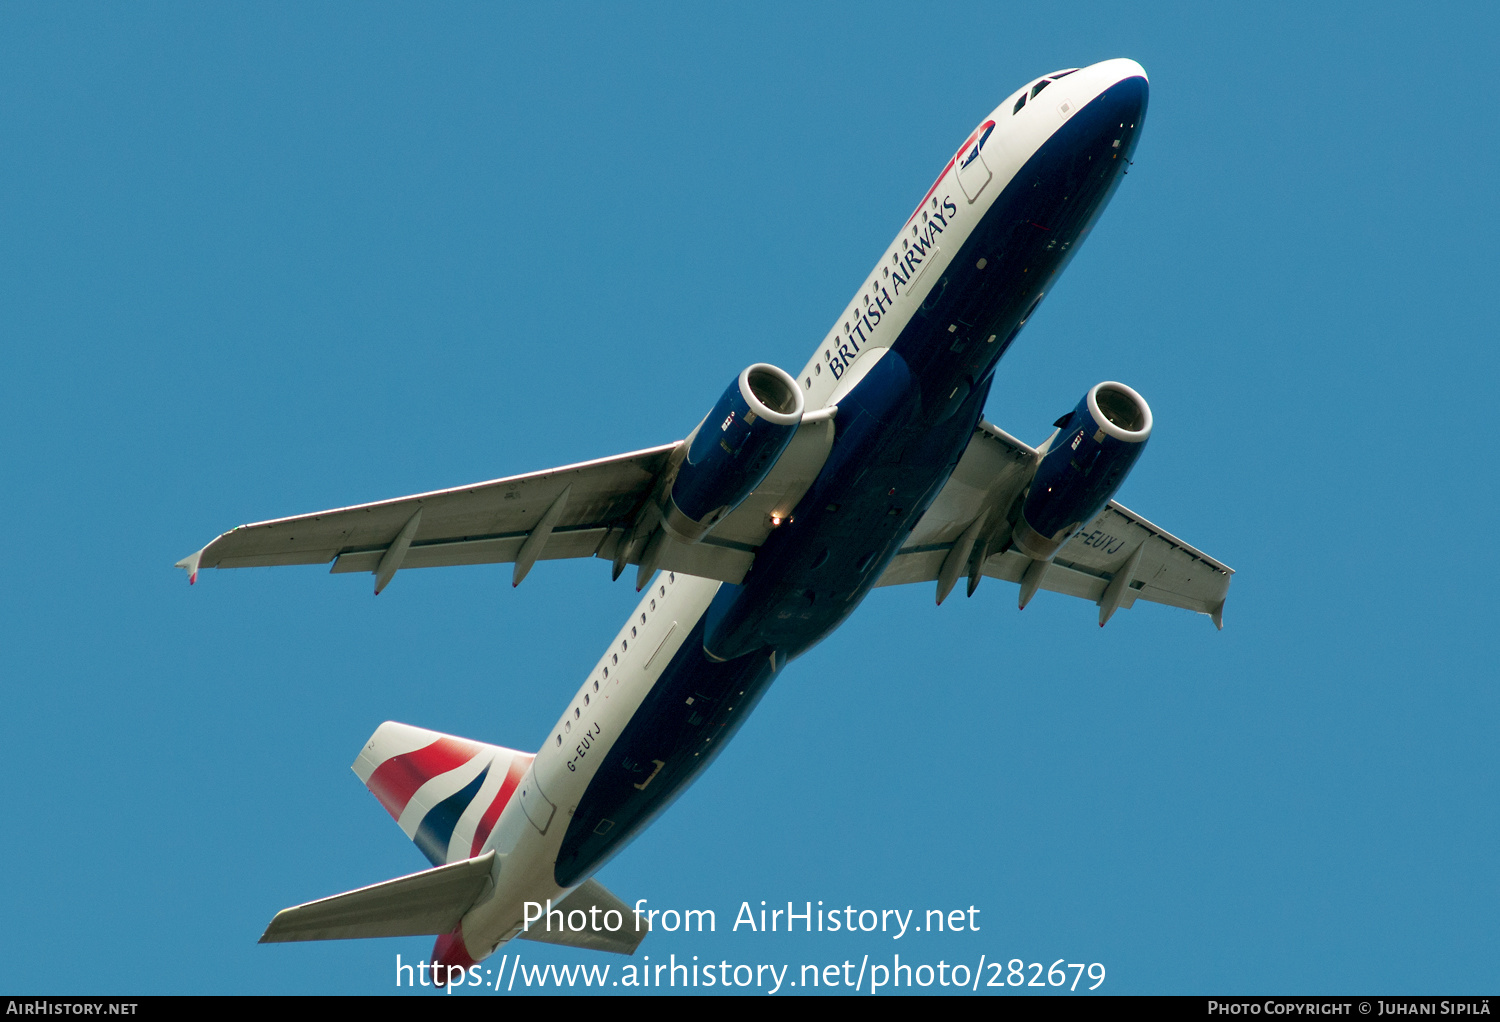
(1083, 464)
(732, 450)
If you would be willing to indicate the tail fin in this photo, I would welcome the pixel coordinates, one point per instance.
(445, 793)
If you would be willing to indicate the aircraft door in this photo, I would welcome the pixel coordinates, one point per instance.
(972, 170)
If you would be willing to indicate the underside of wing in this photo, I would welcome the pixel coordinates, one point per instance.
(576, 506)
(608, 508)
(1160, 568)
(1116, 559)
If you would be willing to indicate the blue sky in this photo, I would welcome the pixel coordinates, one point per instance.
(261, 260)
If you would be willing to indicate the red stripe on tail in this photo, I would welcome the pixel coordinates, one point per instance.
(513, 776)
(396, 780)
(450, 952)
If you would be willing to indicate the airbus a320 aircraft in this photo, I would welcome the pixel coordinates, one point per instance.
(758, 534)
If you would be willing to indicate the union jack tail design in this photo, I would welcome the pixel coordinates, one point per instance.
(445, 793)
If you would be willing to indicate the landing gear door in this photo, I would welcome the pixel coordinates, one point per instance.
(973, 173)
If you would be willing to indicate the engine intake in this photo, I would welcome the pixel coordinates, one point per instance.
(1083, 464)
(733, 449)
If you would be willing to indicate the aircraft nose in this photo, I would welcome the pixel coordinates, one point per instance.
(1124, 101)
(1131, 94)
(1119, 69)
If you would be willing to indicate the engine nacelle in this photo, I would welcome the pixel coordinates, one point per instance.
(1082, 466)
(733, 450)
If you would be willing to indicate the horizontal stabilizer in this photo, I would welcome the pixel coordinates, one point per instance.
(426, 903)
(589, 895)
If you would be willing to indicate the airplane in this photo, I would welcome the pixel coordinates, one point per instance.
(758, 534)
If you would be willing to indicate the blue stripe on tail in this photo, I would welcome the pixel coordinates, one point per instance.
(436, 828)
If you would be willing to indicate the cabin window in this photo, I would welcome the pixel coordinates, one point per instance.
(643, 620)
(568, 725)
(559, 739)
(585, 699)
(577, 713)
(653, 604)
(615, 659)
(624, 645)
(606, 672)
(632, 631)
(596, 684)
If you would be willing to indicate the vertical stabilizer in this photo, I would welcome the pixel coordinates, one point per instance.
(445, 792)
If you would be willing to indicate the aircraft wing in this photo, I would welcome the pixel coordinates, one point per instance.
(592, 509)
(978, 505)
(574, 511)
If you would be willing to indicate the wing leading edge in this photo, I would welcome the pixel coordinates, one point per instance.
(1117, 559)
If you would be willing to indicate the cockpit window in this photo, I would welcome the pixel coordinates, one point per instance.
(1038, 87)
(1019, 104)
(1062, 74)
